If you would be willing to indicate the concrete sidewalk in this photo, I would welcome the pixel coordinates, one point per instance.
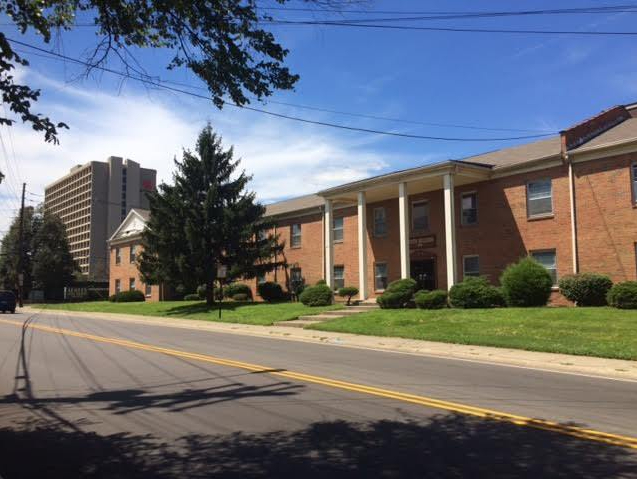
(563, 363)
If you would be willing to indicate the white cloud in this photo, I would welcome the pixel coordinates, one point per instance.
(286, 158)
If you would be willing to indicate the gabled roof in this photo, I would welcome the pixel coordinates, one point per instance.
(132, 226)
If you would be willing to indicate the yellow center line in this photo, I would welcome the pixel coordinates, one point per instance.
(589, 434)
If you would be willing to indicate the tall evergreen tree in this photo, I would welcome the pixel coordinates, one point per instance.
(10, 252)
(52, 263)
(205, 219)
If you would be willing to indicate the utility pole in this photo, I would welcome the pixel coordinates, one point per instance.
(21, 249)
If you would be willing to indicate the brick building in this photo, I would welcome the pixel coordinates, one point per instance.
(125, 246)
(570, 201)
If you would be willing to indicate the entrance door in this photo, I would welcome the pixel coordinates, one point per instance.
(424, 272)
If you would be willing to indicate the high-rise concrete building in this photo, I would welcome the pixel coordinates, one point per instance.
(92, 200)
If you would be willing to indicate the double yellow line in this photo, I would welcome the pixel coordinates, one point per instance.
(589, 434)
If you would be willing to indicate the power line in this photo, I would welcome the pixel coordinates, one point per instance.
(275, 114)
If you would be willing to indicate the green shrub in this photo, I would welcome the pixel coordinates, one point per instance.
(475, 292)
(241, 297)
(127, 297)
(348, 292)
(398, 294)
(201, 292)
(389, 300)
(586, 289)
(436, 299)
(623, 295)
(526, 283)
(232, 289)
(321, 281)
(192, 297)
(319, 295)
(270, 291)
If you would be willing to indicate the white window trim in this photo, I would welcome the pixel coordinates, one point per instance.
(462, 195)
(548, 250)
(464, 270)
(633, 182)
(376, 234)
(418, 202)
(540, 215)
(375, 276)
(148, 292)
(292, 235)
(342, 228)
(342, 267)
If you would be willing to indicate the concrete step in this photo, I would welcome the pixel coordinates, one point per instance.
(361, 309)
(318, 317)
(341, 312)
(297, 323)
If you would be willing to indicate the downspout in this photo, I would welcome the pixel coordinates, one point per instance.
(571, 190)
(324, 268)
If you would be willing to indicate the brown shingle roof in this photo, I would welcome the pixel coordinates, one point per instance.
(625, 131)
(293, 205)
(518, 154)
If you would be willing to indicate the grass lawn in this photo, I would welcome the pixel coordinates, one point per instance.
(246, 313)
(602, 332)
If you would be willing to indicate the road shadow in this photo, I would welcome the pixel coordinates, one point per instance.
(446, 446)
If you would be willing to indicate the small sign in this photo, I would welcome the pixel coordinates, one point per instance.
(428, 241)
(222, 271)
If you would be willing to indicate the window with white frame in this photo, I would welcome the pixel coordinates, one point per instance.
(380, 221)
(547, 259)
(634, 170)
(118, 286)
(469, 208)
(118, 256)
(133, 253)
(420, 216)
(296, 274)
(295, 235)
(339, 277)
(471, 265)
(380, 276)
(338, 230)
(131, 284)
(260, 278)
(148, 290)
(539, 198)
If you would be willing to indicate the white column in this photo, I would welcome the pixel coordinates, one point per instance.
(329, 245)
(450, 229)
(403, 213)
(362, 245)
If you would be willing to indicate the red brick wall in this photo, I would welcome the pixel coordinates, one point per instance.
(126, 270)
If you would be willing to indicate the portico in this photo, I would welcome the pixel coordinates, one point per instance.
(402, 186)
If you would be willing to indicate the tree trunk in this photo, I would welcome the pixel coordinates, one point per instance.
(210, 294)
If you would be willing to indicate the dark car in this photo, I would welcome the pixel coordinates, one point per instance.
(7, 301)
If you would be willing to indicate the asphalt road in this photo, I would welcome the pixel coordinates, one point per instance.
(84, 403)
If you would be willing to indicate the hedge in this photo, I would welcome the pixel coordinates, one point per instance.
(192, 297)
(270, 291)
(475, 292)
(398, 294)
(319, 295)
(127, 297)
(436, 299)
(348, 292)
(526, 283)
(241, 297)
(623, 295)
(586, 289)
(232, 289)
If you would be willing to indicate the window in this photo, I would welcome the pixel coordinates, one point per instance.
(131, 284)
(118, 286)
(420, 216)
(547, 259)
(339, 277)
(133, 253)
(118, 256)
(296, 274)
(380, 276)
(295, 236)
(148, 290)
(471, 265)
(260, 278)
(539, 196)
(338, 229)
(634, 169)
(469, 208)
(380, 222)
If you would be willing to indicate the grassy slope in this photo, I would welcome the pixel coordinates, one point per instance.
(603, 332)
(246, 313)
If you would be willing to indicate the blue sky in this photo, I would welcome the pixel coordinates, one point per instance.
(535, 82)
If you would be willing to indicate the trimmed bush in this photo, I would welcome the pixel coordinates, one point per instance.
(526, 283)
(241, 297)
(398, 294)
(319, 295)
(623, 295)
(201, 292)
(586, 289)
(321, 281)
(348, 292)
(475, 292)
(270, 291)
(232, 289)
(192, 297)
(436, 299)
(127, 297)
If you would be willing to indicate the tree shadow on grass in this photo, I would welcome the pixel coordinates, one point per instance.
(444, 446)
(202, 307)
